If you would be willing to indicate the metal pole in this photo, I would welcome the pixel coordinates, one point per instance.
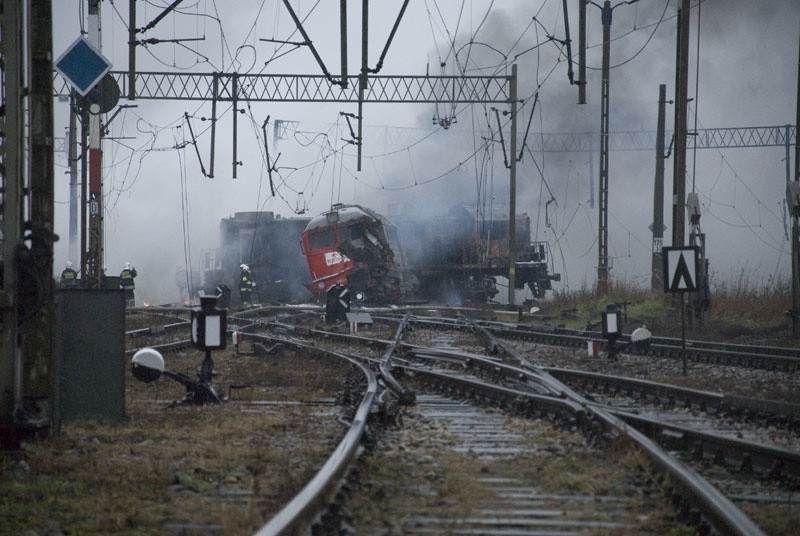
(679, 170)
(656, 273)
(214, 97)
(11, 180)
(795, 224)
(132, 50)
(683, 332)
(602, 251)
(362, 83)
(93, 270)
(582, 52)
(235, 89)
(84, 196)
(343, 34)
(72, 152)
(39, 380)
(512, 203)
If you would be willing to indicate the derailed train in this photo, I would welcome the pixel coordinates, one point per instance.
(452, 258)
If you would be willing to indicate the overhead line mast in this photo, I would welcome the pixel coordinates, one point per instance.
(92, 261)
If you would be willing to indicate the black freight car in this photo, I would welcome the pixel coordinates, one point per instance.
(270, 246)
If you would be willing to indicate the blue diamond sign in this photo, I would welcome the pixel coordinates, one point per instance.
(82, 65)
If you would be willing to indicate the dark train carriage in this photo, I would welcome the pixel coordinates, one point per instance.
(458, 257)
(270, 246)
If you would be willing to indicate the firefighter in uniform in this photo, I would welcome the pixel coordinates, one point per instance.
(69, 277)
(126, 283)
(246, 284)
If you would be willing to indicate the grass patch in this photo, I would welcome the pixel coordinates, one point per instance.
(230, 465)
(739, 311)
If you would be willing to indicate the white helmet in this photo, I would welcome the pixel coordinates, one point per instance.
(69, 264)
(127, 266)
(244, 267)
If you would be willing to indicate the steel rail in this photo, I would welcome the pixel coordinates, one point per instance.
(776, 461)
(521, 400)
(407, 396)
(766, 358)
(165, 347)
(490, 365)
(157, 330)
(720, 511)
(317, 494)
(703, 400)
(717, 509)
(757, 457)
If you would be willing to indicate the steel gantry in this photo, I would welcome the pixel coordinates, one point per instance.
(385, 89)
(373, 89)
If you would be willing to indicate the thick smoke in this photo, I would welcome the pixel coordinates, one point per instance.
(747, 77)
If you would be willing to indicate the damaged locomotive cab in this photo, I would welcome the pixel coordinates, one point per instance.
(351, 246)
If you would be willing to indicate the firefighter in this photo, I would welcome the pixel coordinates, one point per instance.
(69, 277)
(127, 284)
(246, 284)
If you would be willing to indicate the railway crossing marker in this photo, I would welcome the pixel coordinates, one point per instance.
(681, 269)
(680, 276)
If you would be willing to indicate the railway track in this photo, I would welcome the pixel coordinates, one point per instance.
(748, 356)
(458, 348)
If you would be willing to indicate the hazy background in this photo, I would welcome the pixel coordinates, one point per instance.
(161, 213)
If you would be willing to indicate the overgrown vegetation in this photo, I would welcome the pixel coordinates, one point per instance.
(180, 468)
(740, 311)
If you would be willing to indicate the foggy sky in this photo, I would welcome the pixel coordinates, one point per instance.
(747, 77)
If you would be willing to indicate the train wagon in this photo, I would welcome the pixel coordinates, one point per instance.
(458, 257)
(357, 248)
(270, 246)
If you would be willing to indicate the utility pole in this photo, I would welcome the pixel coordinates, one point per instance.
(582, 51)
(92, 270)
(602, 248)
(657, 228)
(679, 161)
(362, 80)
(512, 202)
(602, 251)
(72, 156)
(11, 179)
(39, 371)
(131, 49)
(795, 312)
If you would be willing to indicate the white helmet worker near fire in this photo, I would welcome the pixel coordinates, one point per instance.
(127, 284)
(69, 277)
(246, 284)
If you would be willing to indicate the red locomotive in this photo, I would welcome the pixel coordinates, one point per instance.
(356, 248)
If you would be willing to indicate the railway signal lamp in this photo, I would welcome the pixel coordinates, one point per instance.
(147, 365)
(209, 327)
(337, 304)
(209, 324)
(612, 328)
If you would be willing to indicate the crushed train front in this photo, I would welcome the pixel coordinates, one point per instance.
(349, 246)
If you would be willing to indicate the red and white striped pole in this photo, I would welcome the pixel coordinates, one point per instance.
(93, 271)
